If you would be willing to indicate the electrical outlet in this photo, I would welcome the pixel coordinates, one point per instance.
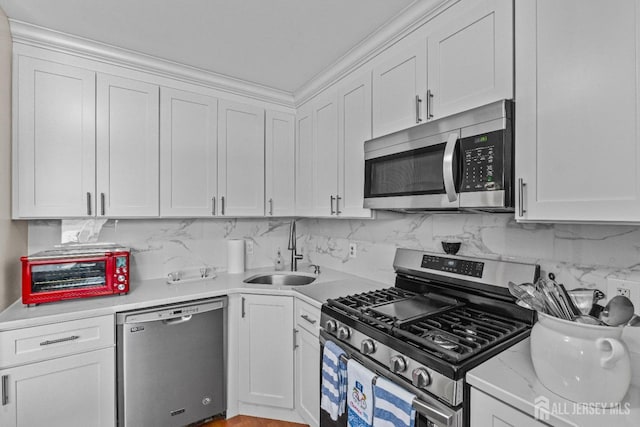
(249, 247)
(627, 288)
(353, 250)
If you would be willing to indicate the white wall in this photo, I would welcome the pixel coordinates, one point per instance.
(13, 235)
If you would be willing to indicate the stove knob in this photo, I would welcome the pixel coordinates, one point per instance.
(367, 347)
(398, 364)
(344, 333)
(331, 326)
(420, 378)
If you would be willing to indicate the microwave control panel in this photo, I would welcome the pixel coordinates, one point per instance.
(482, 163)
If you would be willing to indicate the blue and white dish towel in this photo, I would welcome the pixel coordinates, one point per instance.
(334, 381)
(393, 405)
(359, 395)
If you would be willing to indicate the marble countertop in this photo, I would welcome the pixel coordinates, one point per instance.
(149, 293)
(510, 377)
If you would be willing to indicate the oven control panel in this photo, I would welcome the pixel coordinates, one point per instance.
(452, 265)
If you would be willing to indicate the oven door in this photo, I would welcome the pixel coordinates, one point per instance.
(418, 174)
(429, 411)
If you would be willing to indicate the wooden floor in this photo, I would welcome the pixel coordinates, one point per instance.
(244, 421)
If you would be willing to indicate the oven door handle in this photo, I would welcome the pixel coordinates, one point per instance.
(447, 167)
(430, 411)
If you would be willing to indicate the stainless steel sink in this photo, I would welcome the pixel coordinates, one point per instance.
(281, 279)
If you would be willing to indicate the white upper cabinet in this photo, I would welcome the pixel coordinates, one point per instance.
(280, 153)
(240, 159)
(54, 140)
(325, 153)
(354, 126)
(127, 147)
(399, 89)
(305, 163)
(578, 156)
(188, 153)
(470, 57)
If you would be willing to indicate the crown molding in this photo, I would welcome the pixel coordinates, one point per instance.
(41, 37)
(400, 26)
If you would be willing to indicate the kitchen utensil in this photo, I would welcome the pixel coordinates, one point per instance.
(634, 321)
(584, 298)
(575, 311)
(552, 303)
(618, 311)
(595, 311)
(582, 363)
(527, 294)
(588, 320)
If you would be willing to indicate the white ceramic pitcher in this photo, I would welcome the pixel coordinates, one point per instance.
(579, 362)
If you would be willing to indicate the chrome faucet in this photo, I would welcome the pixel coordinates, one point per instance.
(293, 246)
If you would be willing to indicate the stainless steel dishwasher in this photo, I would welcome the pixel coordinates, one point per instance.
(171, 364)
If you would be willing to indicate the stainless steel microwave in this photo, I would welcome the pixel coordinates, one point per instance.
(463, 161)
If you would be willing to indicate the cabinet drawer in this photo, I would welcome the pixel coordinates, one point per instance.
(307, 317)
(58, 339)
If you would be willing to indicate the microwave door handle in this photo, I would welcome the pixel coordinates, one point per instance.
(447, 167)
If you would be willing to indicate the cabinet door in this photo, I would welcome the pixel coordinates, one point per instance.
(489, 412)
(577, 103)
(470, 57)
(266, 350)
(354, 126)
(396, 84)
(188, 153)
(74, 390)
(305, 163)
(128, 147)
(325, 153)
(308, 377)
(240, 159)
(54, 149)
(280, 157)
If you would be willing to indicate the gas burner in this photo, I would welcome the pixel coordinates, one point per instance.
(443, 342)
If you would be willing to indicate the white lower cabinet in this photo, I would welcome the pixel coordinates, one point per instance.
(307, 362)
(487, 411)
(266, 340)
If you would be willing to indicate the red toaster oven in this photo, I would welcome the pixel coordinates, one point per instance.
(75, 272)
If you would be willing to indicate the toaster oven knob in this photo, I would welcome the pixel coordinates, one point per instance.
(398, 364)
(121, 278)
(344, 333)
(121, 287)
(420, 378)
(367, 347)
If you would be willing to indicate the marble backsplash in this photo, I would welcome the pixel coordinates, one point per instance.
(579, 255)
(160, 246)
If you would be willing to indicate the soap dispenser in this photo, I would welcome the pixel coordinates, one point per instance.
(279, 262)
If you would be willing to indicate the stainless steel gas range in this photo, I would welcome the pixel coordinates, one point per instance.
(445, 315)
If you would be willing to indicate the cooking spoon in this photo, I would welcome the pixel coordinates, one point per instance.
(618, 311)
(634, 321)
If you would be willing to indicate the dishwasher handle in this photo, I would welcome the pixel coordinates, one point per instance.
(171, 315)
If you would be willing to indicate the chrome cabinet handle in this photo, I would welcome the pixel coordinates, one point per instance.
(88, 203)
(429, 106)
(338, 211)
(521, 185)
(213, 205)
(59, 340)
(308, 319)
(222, 205)
(243, 312)
(270, 206)
(418, 102)
(295, 341)
(5, 390)
(331, 200)
(102, 204)
(447, 167)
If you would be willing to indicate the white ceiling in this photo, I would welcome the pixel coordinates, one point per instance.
(281, 44)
